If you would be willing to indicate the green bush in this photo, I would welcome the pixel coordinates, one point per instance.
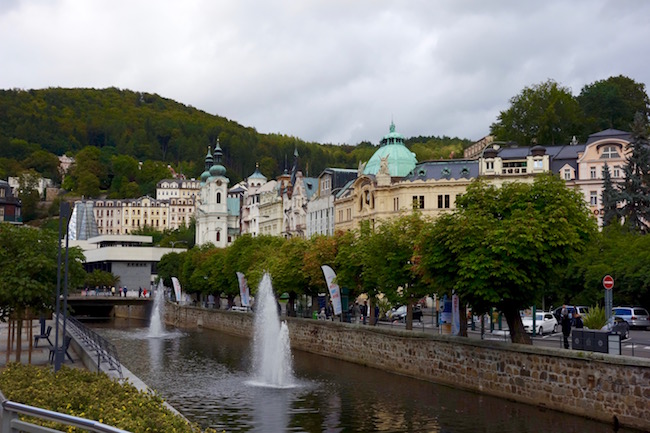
(89, 395)
(596, 318)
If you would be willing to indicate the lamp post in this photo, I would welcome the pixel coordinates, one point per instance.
(176, 242)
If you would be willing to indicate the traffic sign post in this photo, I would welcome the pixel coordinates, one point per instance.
(608, 284)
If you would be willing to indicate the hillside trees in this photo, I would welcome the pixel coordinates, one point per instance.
(150, 128)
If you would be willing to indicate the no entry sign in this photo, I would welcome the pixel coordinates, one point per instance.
(608, 282)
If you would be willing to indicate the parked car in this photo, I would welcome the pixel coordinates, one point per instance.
(582, 310)
(545, 323)
(636, 317)
(617, 325)
(399, 313)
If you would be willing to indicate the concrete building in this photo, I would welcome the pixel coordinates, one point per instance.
(131, 258)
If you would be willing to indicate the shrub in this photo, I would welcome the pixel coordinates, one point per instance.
(596, 318)
(89, 395)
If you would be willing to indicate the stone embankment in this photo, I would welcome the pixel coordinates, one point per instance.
(612, 389)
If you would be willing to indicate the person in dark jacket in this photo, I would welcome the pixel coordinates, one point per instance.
(577, 319)
(565, 321)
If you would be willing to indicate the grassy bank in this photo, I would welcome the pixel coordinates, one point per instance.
(90, 395)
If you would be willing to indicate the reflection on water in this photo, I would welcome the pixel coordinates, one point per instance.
(203, 374)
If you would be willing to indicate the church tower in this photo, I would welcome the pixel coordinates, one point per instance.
(212, 210)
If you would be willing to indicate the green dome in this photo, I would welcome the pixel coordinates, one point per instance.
(401, 161)
(217, 169)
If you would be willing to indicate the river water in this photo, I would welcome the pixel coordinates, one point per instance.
(206, 376)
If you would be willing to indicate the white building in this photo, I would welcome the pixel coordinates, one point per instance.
(320, 209)
(217, 222)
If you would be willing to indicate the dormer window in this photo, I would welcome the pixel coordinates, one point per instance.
(609, 152)
(422, 172)
(446, 172)
(464, 172)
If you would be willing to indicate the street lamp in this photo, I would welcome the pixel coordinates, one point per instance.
(176, 242)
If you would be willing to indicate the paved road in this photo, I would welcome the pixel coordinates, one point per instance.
(637, 345)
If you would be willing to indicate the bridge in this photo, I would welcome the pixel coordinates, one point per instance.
(103, 306)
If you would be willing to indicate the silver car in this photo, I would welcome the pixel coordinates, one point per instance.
(636, 317)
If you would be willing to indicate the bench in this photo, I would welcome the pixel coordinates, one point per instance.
(66, 344)
(46, 335)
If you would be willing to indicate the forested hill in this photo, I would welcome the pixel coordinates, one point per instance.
(37, 124)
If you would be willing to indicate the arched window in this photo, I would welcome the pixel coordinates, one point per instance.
(218, 198)
(218, 236)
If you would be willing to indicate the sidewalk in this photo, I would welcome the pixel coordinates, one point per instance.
(39, 355)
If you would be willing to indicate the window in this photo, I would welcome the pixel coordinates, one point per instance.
(218, 236)
(418, 202)
(592, 172)
(443, 201)
(218, 198)
(617, 172)
(489, 165)
(538, 164)
(593, 198)
(567, 174)
(609, 152)
(396, 204)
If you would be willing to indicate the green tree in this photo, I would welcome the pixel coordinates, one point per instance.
(389, 262)
(609, 198)
(612, 103)
(546, 112)
(28, 195)
(503, 246)
(170, 265)
(29, 272)
(44, 163)
(624, 255)
(635, 188)
(99, 278)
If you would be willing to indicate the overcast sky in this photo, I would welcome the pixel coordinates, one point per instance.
(329, 71)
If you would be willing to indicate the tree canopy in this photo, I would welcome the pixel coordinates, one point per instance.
(504, 245)
(549, 113)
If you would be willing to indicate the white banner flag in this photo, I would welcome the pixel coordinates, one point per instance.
(244, 292)
(455, 315)
(177, 289)
(335, 292)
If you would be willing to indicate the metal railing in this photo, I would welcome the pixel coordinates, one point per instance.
(11, 423)
(104, 349)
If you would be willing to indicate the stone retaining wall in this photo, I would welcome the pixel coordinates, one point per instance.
(142, 312)
(593, 385)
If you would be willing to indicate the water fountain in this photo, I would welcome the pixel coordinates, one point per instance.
(156, 326)
(272, 362)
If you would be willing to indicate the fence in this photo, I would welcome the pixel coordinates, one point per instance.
(11, 423)
(104, 349)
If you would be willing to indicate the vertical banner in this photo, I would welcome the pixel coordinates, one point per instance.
(335, 292)
(244, 292)
(177, 289)
(455, 315)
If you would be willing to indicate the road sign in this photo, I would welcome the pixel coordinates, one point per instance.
(608, 282)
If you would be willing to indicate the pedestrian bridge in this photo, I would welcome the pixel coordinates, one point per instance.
(91, 306)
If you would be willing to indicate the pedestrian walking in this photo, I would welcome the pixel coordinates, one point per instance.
(565, 320)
